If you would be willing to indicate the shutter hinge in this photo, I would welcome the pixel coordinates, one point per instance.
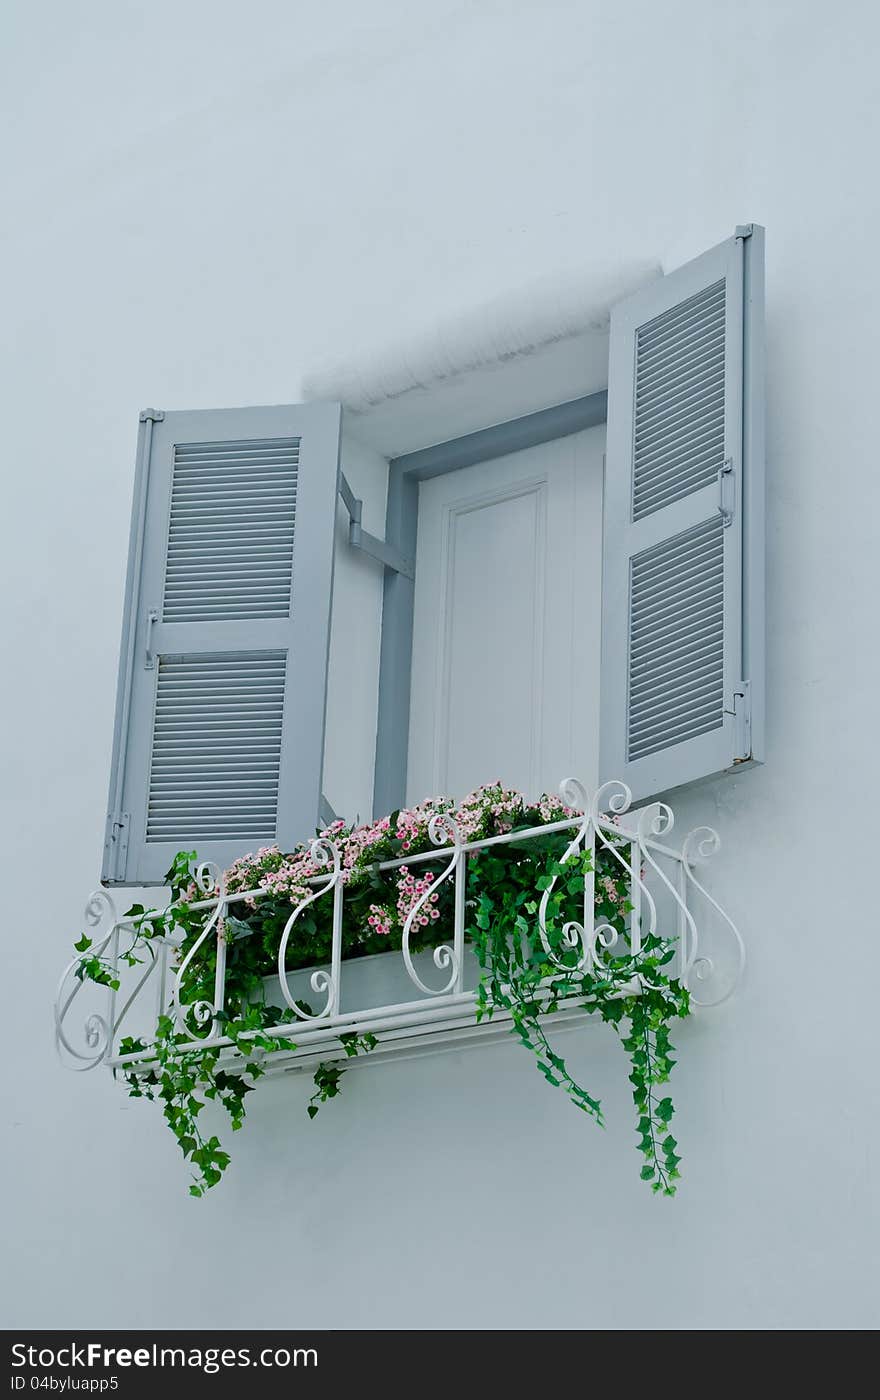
(726, 492)
(743, 230)
(116, 844)
(742, 721)
(151, 415)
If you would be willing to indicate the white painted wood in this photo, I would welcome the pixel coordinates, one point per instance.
(507, 626)
(353, 671)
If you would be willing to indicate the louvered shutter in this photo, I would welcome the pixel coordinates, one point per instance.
(218, 744)
(683, 522)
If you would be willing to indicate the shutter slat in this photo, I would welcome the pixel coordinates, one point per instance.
(225, 497)
(655, 571)
(664, 648)
(649, 612)
(238, 801)
(668, 490)
(660, 327)
(701, 353)
(679, 402)
(674, 413)
(692, 594)
(676, 678)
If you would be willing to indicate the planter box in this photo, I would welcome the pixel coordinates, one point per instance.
(377, 995)
(373, 982)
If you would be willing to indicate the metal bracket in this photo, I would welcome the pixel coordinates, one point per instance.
(116, 843)
(742, 726)
(151, 415)
(149, 654)
(359, 538)
(743, 230)
(726, 492)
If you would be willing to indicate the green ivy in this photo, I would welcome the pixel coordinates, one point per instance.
(328, 1076)
(522, 979)
(630, 990)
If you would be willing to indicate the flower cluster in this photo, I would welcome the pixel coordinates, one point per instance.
(275, 873)
(358, 844)
(378, 903)
(491, 810)
(410, 891)
(380, 919)
(613, 890)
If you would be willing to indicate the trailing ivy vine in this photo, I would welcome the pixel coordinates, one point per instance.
(629, 988)
(629, 991)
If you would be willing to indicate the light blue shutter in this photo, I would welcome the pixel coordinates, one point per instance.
(219, 735)
(682, 604)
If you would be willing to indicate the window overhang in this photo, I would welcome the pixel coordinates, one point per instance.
(537, 346)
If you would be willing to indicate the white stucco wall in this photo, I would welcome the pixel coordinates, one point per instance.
(203, 202)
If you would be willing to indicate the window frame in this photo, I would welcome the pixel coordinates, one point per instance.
(405, 474)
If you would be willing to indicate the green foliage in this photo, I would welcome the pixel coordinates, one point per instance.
(177, 1072)
(626, 987)
(92, 968)
(327, 1076)
(649, 1050)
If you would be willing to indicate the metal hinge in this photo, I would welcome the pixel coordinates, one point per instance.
(741, 709)
(116, 844)
(359, 538)
(743, 230)
(151, 415)
(726, 492)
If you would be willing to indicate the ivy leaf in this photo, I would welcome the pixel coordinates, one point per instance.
(664, 1110)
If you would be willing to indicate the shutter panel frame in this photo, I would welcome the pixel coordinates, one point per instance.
(241, 688)
(682, 612)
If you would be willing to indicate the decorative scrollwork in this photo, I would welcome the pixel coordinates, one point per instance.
(603, 939)
(442, 829)
(613, 796)
(97, 1031)
(574, 935)
(594, 939)
(700, 845)
(633, 849)
(194, 1016)
(322, 852)
(574, 794)
(654, 821)
(616, 797)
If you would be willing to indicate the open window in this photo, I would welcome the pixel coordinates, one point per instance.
(550, 593)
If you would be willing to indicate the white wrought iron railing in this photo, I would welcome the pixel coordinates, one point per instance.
(665, 894)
